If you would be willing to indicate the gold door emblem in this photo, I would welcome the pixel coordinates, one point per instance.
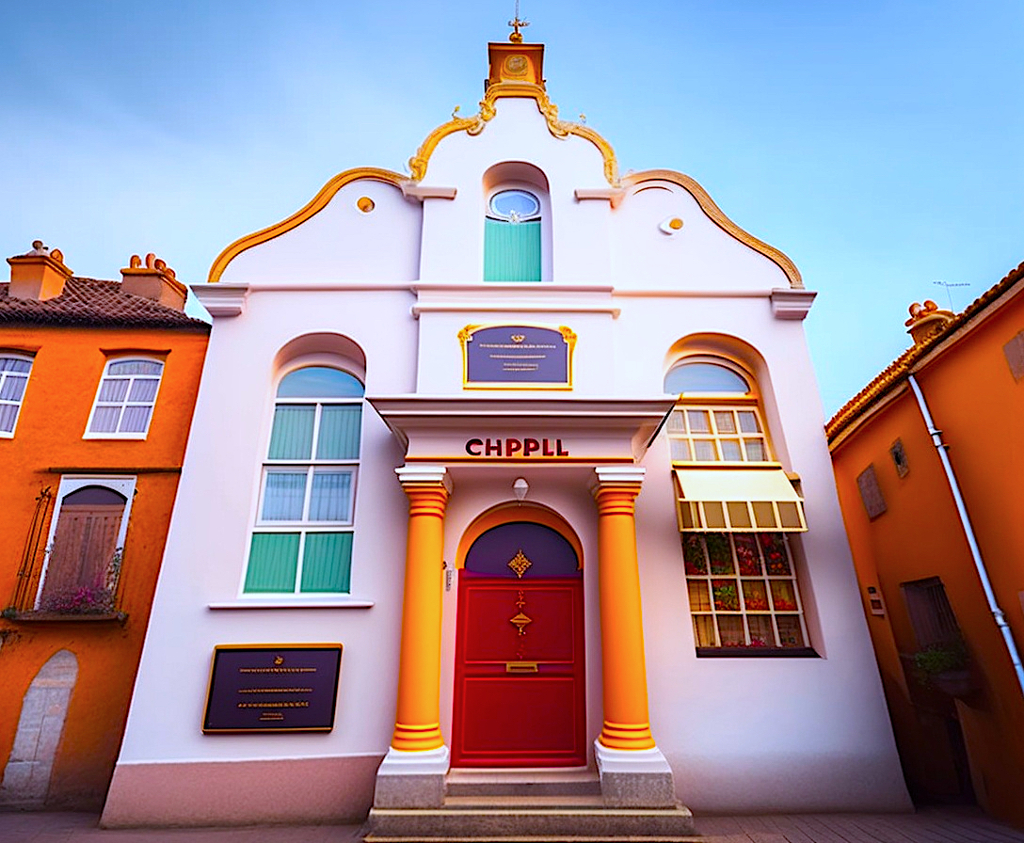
(519, 563)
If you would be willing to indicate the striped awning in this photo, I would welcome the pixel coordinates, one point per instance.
(737, 500)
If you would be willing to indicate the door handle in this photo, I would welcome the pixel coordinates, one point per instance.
(520, 667)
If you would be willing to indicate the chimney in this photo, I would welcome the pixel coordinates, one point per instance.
(154, 281)
(926, 320)
(38, 275)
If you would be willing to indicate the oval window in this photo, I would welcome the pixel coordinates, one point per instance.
(514, 205)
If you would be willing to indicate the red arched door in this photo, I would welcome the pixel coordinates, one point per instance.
(520, 696)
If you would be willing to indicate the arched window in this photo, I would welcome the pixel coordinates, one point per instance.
(14, 372)
(302, 542)
(126, 398)
(717, 418)
(512, 235)
(734, 520)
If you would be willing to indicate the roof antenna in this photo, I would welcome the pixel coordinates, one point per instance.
(516, 37)
(947, 285)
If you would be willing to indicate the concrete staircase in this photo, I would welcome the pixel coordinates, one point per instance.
(529, 806)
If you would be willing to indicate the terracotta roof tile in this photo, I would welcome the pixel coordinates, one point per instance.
(87, 302)
(896, 372)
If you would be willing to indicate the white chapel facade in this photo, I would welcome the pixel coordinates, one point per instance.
(526, 457)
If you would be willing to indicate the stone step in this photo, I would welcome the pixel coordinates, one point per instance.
(529, 822)
(523, 783)
(529, 800)
(557, 838)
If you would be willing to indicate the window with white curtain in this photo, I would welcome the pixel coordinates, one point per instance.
(302, 541)
(14, 372)
(125, 400)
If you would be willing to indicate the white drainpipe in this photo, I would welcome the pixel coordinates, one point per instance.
(965, 521)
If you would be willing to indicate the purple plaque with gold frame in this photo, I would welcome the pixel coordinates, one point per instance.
(516, 357)
(272, 688)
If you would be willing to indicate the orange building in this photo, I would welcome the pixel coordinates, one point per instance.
(98, 382)
(928, 459)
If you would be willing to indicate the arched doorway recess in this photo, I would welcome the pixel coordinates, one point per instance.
(520, 696)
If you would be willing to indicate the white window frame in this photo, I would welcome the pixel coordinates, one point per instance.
(68, 484)
(124, 404)
(764, 579)
(716, 437)
(7, 355)
(304, 526)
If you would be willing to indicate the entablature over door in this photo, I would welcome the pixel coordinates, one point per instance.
(522, 430)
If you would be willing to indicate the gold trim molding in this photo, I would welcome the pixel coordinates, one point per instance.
(474, 125)
(709, 207)
(314, 206)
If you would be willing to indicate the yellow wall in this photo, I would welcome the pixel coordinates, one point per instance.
(65, 375)
(977, 404)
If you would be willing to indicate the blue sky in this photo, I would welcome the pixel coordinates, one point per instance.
(877, 143)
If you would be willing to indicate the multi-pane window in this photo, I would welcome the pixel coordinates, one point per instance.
(742, 590)
(14, 372)
(741, 585)
(717, 434)
(126, 397)
(729, 429)
(302, 542)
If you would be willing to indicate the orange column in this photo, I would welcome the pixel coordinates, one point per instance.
(417, 721)
(626, 722)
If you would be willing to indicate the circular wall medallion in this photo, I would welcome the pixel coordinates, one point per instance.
(365, 204)
(516, 65)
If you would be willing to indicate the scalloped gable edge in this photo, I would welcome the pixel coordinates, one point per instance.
(719, 218)
(313, 207)
(477, 123)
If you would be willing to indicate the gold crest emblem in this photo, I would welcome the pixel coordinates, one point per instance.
(517, 338)
(519, 563)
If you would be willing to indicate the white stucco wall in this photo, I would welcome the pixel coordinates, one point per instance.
(742, 734)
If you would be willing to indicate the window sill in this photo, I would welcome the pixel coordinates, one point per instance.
(757, 652)
(33, 616)
(116, 436)
(287, 602)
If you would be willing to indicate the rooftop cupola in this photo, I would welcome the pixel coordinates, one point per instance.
(927, 319)
(39, 274)
(516, 69)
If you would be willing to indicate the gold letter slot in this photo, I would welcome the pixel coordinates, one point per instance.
(520, 667)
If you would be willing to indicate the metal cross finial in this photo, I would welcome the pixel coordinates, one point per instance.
(516, 36)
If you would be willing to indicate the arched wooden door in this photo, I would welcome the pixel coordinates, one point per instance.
(520, 696)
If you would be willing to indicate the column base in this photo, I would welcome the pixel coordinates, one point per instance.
(635, 778)
(411, 779)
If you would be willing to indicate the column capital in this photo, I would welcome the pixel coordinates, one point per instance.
(423, 475)
(607, 475)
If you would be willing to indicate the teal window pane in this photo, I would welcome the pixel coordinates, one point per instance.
(273, 558)
(331, 496)
(327, 562)
(339, 432)
(283, 495)
(292, 436)
(511, 251)
(319, 382)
